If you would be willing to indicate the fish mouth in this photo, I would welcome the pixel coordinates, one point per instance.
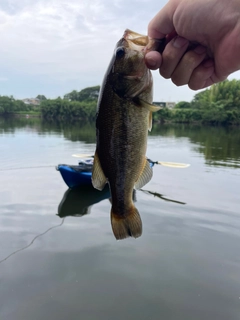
(135, 38)
(143, 43)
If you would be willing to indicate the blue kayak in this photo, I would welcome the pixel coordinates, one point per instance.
(81, 174)
(77, 175)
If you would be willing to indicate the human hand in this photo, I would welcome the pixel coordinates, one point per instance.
(213, 26)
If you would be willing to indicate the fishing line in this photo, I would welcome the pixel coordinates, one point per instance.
(22, 168)
(39, 235)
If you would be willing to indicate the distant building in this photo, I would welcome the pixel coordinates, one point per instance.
(32, 101)
(169, 105)
(160, 104)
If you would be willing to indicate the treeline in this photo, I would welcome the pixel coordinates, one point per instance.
(9, 105)
(220, 104)
(64, 109)
(74, 105)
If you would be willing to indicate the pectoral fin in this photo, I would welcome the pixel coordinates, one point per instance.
(98, 177)
(150, 121)
(149, 106)
(145, 176)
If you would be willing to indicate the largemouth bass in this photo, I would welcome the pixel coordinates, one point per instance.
(124, 116)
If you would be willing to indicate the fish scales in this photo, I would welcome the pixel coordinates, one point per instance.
(118, 141)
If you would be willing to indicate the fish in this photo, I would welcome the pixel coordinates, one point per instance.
(124, 116)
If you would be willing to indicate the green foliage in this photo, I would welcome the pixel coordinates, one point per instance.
(183, 105)
(60, 108)
(71, 96)
(220, 93)
(220, 104)
(10, 105)
(87, 94)
(75, 105)
(41, 97)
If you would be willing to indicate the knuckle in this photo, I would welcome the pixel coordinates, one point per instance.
(192, 59)
(169, 55)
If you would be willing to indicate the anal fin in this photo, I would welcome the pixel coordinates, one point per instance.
(98, 177)
(145, 175)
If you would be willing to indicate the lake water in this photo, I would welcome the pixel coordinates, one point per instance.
(186, 264)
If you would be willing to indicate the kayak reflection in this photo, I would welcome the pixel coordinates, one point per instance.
(78, 201)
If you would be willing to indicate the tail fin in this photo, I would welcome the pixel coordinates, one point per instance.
(126, 226)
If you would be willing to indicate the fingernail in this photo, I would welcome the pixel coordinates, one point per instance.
(200, 49)
(209, 63)
(179, 42)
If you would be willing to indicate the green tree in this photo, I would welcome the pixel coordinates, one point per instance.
(90, 93)
(183, 105)
(87, 94)
(41, 97)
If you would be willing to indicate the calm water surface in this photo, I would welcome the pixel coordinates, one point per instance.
(186, 265)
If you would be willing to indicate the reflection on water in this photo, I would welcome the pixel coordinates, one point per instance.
(74, 131)
(78, 201)
(31, 243)
(219, 145)
(185, 266)
(161, 196)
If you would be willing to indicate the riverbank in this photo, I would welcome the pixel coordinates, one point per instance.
(24, 114)
(214, 116)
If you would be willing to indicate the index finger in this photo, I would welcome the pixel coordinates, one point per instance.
(162, 23)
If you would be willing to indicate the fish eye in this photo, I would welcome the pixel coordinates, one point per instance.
(120, 51)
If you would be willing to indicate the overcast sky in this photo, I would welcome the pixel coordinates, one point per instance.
(52, 47)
